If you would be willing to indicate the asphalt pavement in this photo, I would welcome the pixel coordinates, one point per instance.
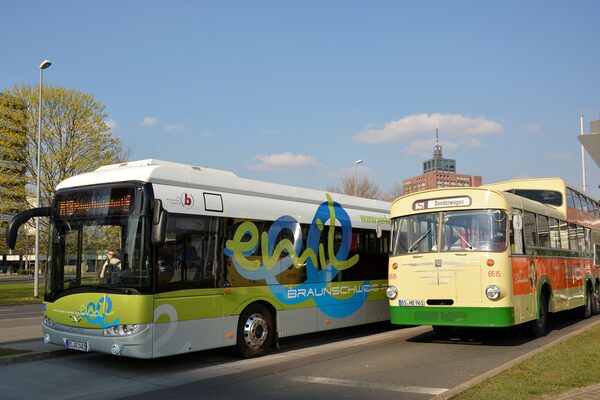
(20, 329)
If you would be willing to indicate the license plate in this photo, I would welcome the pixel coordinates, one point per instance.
(411, 303)
(79, 346)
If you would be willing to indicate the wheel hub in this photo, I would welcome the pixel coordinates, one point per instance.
(256, 331)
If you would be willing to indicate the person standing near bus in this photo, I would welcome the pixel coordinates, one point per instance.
(111, 264)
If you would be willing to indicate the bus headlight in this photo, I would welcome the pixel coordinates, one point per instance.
(49, 322)
(391, 292)
(124, 330)
(493, 292)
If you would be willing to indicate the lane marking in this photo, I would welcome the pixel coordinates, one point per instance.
(369, 385)
(8, 309)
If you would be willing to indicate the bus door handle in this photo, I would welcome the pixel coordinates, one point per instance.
(417, 256)
(460, 254)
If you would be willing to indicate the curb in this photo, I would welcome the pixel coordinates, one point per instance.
(32, 356)
(450, 393)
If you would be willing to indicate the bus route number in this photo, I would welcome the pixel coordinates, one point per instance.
(494, 274)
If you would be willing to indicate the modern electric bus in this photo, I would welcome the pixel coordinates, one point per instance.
(199, 258)
(482, 257)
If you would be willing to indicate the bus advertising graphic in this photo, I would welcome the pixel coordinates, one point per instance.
(322, 266)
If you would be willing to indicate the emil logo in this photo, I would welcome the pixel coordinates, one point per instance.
(187, 200)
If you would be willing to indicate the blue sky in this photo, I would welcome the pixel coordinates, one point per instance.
(295, 92)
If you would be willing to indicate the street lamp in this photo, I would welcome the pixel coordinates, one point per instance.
(45, 64)
(356, 176)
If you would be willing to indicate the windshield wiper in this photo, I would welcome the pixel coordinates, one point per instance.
(418, 241)
(463, 238)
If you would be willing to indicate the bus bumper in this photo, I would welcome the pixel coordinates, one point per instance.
(138, 345)
(453, 316)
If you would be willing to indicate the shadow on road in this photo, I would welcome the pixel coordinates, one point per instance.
(512, 336)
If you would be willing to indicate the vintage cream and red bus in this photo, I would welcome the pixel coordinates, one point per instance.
(486, 257)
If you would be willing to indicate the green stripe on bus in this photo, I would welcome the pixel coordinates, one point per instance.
(453, 316)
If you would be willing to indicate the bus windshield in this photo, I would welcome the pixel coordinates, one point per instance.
(98, 243)
(466, 230)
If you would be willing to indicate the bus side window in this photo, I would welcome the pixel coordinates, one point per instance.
(554, 233)
(570, 201)
(516, 232)
(529, 231)
(564, 235)
(542, 229)
(573, 237)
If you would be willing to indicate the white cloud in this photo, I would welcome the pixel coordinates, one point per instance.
(531, 127)
(350, 171)
(471, 142)
(112, 124)
(174, 127)
(452, 125)
(283, 160)
(561, 157)
(149, 121)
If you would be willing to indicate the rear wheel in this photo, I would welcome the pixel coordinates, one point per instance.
(596, 299)
(255, 331)
(586, 310)
(540, 325)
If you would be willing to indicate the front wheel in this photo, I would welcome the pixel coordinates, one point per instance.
(255, 331)
(539, 325)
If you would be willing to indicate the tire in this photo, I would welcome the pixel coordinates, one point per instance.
(587, 309)
(443, 332)
(255, 331)
(596, 299)
(539, 326)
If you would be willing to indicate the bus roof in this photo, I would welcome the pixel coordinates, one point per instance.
(185, 175)
(484, 197)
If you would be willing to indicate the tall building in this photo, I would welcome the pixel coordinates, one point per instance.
(439, 172)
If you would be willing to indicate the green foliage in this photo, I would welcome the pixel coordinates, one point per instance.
(19, 292)
(568, 365)
(13, 181)
(74, 139)
(12, 352)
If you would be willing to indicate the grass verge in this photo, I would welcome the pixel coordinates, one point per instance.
(571, 364)
(19, 293)
(12, 352)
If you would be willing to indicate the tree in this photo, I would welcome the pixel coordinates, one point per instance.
(396, 191)
(13, 180)
(365, 188)
(75, 137)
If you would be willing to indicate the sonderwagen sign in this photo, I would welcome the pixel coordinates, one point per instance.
(463, 201)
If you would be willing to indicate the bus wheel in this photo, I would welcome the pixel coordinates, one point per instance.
(586, 311)
(539, 325)
(596, 302)
(443, 332)
(255, 331)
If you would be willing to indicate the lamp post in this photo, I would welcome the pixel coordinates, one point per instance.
(356, 176)
(45, 64)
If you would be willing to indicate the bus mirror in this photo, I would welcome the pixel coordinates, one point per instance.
(517, 221)
(20, 219)
(379, 231)
(159, 224)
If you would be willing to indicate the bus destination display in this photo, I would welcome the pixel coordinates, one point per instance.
(95, 203)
